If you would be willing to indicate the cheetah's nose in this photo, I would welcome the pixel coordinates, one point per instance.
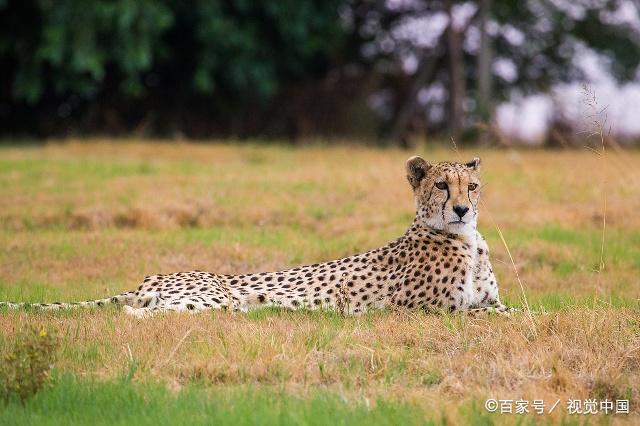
(460, 210)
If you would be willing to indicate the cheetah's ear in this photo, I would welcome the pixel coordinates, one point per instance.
(416, 170)
(474, 164)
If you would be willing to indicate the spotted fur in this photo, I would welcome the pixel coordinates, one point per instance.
(440, 263)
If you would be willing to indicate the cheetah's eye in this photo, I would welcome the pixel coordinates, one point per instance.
(441, 185)
(473, 186)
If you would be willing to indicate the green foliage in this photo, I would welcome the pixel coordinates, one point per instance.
(25, 369)
(66, 47)
(79, 48)
(251, 46)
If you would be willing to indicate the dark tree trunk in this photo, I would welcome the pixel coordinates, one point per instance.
(457, 86)
(485, 57)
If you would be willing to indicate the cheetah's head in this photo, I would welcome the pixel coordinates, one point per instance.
(446, 194)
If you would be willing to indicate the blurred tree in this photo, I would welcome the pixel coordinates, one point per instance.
(74, 42)
(485, 57)
(457, 79)
(536, 44)
(294, 67)
(89, 57)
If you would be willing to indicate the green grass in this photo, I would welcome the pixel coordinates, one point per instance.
(554, 302)
(77, 402)
(575, 254)
(72, 401)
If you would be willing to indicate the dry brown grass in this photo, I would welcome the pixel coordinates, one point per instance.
(81, 220)
(166, 185)
(428, 360)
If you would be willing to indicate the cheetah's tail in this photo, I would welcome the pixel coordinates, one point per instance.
(121, 299)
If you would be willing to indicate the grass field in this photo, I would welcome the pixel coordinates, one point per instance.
(87, 220)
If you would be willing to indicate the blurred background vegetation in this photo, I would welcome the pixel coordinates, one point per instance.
(388, 71)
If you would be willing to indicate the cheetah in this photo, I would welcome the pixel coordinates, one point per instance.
(441, 263)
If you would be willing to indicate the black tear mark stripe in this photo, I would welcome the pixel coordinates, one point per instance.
(468, 191)
(475, 206)
(444, 204)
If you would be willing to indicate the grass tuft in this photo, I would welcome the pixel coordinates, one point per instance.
(26, 367)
